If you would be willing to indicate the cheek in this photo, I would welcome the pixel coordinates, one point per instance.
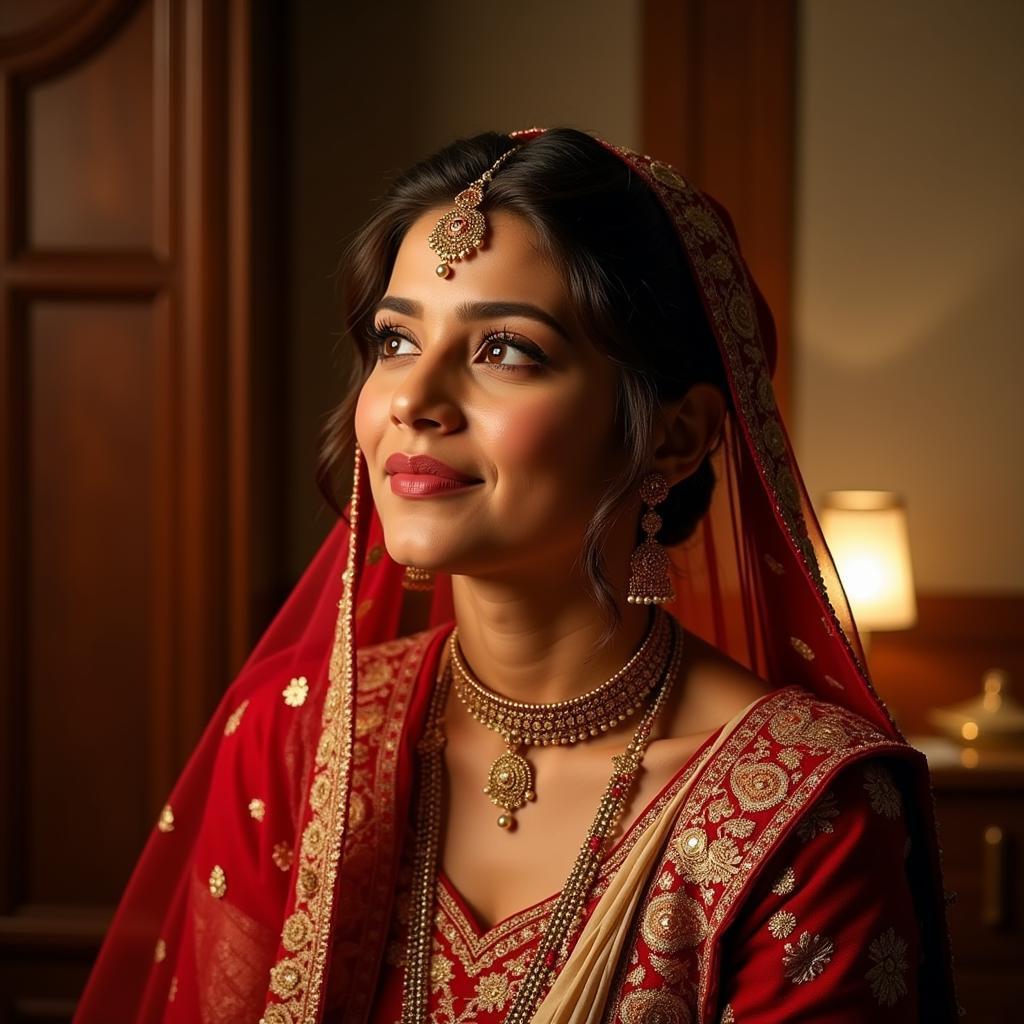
(564, 437)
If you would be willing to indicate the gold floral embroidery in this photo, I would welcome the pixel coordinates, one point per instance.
(374, 555)
(781, 924)
(297, 931)
(883, 795)
(309, 882)
(235, 719)
(364, 607)
(160, 952)
(785, 883)
(774, 564)
(826, 734)
(728, 1017)
(282, 856)
(673, 969)
(325, 748)
(172, 992)
(758, 785)
(369, 720)
(218, 882)
(647, 1006)
(818, 818)
(374, 675)
(807, 958)
(492, 991)
(673, 921)
(790, 757)
(356, 811)
(295, 692)
(313, 839)
(442, 971)
(797, 726)
(719, 808)
(887, 975)
(275, 1014)
(702, 862)
(319, 792)
(802, 648)
(667, 175)
(257, 809)
(285, 977)
(165, 823)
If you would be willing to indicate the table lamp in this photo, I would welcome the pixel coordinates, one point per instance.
(866, 531)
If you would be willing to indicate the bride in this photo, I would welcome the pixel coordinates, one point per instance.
(568, 719)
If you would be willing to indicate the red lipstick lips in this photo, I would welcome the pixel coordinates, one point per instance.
(420, 476)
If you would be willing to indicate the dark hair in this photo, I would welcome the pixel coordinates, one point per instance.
(629, 284)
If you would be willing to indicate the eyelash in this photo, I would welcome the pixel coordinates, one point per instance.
(379, 334)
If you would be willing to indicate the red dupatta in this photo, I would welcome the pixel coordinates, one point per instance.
(213, 905)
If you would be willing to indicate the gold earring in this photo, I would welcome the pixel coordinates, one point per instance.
(417, 579)
(649, 579)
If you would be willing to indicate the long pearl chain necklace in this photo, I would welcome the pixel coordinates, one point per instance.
(566, 913)
(510, 780)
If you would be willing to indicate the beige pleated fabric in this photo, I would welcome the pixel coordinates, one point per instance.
(580, 991)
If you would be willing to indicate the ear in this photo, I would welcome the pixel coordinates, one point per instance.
(685, 430)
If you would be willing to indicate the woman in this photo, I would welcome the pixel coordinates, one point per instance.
(573, 805)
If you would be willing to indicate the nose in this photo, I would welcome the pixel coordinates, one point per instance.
(424, 398)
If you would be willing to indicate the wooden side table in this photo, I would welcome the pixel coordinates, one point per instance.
(979, 800)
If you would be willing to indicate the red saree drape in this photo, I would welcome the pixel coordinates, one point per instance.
(800, 879)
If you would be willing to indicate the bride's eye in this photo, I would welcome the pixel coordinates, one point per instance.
(508, 352)
(387, 342)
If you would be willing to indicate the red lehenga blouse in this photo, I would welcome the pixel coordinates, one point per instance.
(789, 872)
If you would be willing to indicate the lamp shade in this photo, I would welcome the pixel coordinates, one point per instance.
(866, 531)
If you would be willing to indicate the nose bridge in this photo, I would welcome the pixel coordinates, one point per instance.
(428, 393)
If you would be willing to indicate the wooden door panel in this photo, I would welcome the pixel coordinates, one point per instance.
(136, 347)
(90, 601)
(90, 146)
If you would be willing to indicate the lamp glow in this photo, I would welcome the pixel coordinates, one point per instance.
(866, 531)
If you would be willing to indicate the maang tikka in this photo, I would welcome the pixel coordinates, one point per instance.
(649, 579)
(461, 229)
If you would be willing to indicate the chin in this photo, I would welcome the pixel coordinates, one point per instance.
(407, 544)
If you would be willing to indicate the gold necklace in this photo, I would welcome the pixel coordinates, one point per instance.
(566, 914)
(510, 780)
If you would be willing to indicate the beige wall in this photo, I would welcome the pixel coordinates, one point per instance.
(910, 272)
(375, 87)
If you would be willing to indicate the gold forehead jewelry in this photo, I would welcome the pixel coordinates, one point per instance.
(461, 229)
(510, 780)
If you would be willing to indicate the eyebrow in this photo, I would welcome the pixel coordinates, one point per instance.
(467, 311)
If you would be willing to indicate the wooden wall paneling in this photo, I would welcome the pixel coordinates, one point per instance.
(718, 100)
(134, 393)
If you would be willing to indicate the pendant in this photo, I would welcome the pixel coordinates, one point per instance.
(510, 785)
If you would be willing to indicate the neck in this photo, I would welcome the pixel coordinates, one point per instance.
(539, 643)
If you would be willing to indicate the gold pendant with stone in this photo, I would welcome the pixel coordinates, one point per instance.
(510, 785)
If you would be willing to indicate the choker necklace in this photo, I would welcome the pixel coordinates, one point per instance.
(565, 916)
(510, 780)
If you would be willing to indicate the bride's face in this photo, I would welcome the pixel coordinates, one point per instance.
(488, 373)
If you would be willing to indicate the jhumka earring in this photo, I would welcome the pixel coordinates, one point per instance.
(649, 579)
(417, 579)
(461, 230)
